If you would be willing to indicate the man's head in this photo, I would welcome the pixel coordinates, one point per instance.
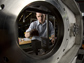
(40, 17)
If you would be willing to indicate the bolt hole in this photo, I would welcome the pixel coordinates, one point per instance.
(6, 59)
(2, 7)
(58, 58)
(64, 9)
(63, 50)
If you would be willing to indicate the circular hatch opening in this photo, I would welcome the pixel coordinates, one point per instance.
(27, 16)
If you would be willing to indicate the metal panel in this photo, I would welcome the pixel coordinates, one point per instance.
(10, 51)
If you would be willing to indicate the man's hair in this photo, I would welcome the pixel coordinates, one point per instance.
(34, 32)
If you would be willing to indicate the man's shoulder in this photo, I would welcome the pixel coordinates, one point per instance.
(35, 22)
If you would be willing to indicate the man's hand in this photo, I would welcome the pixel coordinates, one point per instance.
(53, 40)
(27, 34)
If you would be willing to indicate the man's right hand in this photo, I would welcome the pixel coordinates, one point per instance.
(27, 34)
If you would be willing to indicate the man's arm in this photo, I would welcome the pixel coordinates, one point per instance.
(52, 32)
(27, 33)
(53, 39)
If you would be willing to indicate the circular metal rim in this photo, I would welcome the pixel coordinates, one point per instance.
(60, 25)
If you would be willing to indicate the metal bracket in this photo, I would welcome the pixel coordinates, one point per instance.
(74, 29)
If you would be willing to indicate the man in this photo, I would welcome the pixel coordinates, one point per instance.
(40, 25)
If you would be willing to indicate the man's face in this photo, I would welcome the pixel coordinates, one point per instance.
(40, 17)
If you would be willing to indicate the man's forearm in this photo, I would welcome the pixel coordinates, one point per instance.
(52, 36)
(53, 39)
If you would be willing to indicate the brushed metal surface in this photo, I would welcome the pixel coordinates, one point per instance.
(10, 52)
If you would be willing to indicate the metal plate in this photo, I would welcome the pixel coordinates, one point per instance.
(9, 49)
